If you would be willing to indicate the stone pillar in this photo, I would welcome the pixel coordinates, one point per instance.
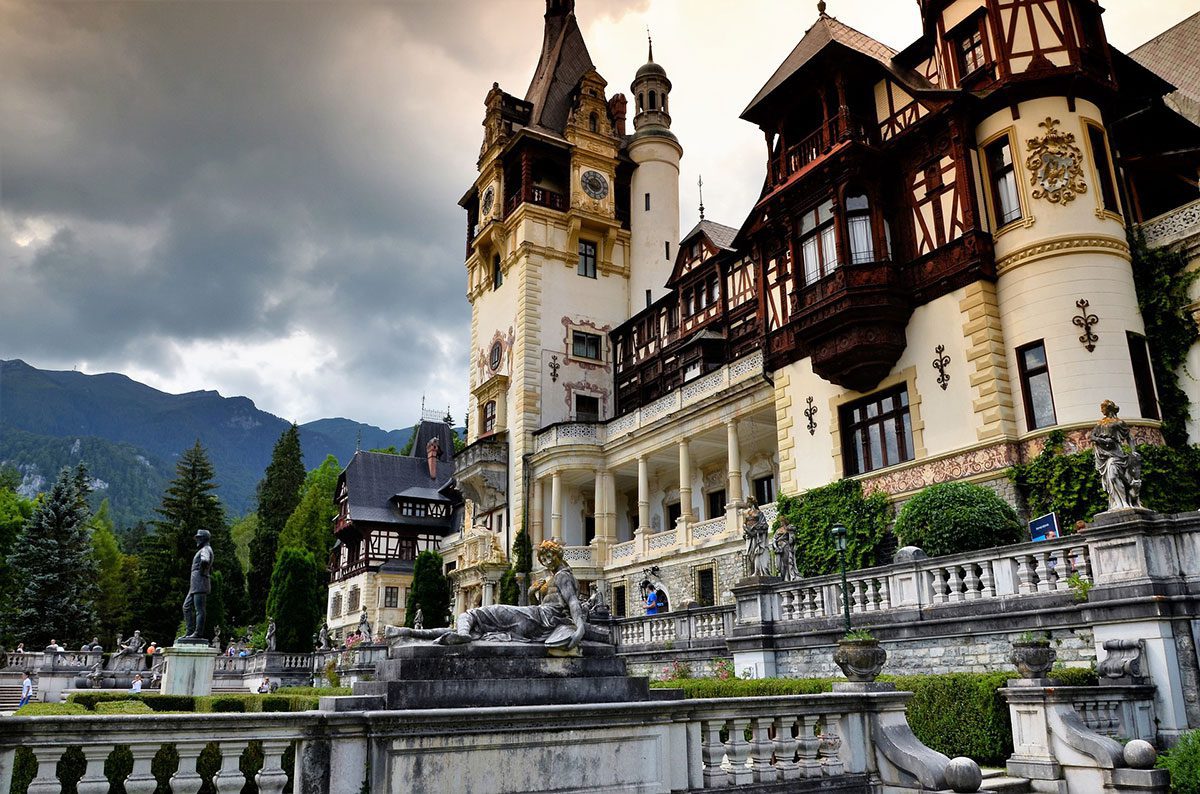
(556, 506)
(598, 503)
(733, 491)
(489, 592)
(685, 484)
(643, 495)
(535, 514)
(609, 531)
(188, 669)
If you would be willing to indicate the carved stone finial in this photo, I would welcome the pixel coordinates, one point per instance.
(821, 7)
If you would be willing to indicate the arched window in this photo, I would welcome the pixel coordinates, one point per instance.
(594, 123)
(858, 229)
(489, 418)
(641, 102)
(653, 101)
(664, 103)
(497, 273)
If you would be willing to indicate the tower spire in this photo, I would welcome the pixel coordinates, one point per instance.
(700, 184)
(649, 46)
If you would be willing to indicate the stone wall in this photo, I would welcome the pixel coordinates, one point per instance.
(678, 577)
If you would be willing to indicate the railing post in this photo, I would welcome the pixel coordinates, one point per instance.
(93, 780)
(230, 779)
(186, 779)
(141, 778)
(46, 780)
(272, 778)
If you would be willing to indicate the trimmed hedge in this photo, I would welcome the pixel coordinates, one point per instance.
(155, 701)
(123, 707)
(1183, 763)
(698, 688)
(952, 517)
(49, 710)
(317, 691)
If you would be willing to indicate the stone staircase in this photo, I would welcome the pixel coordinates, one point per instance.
(998, 780)
(10, 696)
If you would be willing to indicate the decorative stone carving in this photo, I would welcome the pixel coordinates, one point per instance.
(1117, 460)
(1124, 659)
(1033, 659)
(755, 530)
(860, 660)
(1055, 164)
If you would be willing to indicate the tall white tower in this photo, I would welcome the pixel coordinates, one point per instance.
(654, 191)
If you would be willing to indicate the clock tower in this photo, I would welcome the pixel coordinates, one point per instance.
(552, 264)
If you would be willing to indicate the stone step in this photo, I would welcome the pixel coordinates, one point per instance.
(1005, 784)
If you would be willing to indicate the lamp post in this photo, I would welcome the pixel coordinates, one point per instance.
(839, 541)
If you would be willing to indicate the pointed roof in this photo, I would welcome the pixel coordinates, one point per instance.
(1172, 56)
(718, 234)
(825, 31)
(373, 479)
(563, 63)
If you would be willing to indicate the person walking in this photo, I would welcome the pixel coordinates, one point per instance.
(26, 689)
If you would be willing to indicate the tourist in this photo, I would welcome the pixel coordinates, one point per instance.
(20, 648)
(152, 649)
(26, 688)
(54, 646)
(137, 683)
(265, 687)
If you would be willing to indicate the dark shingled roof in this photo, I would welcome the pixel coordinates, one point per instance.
(720, 234)
(564, 61)
(1172, 56)
(374, 478)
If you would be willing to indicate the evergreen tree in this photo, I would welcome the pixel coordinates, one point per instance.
(54, 573)
(112, 572)
(278, 495)
(430, 592)
(310, 526)
(15, 510)
(295, 600)
(242, 531)
(188, 506)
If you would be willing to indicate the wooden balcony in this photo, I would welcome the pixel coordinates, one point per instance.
(842, 128)
(532, 194)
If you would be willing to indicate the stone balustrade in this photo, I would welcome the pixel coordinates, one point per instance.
(1121, 712)
(844, 741)
(1172, 227)
(684, 629)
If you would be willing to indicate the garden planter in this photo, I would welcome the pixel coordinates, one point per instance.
(1033, 659)
(860, 660)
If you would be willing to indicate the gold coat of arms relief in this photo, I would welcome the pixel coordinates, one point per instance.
(1055, 164)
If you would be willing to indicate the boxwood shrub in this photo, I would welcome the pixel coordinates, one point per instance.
(951, 517)
(123, 707)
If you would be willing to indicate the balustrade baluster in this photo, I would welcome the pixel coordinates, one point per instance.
(860, 587)
(830, 744)
(939, 585)
(1045, 573)
(814, 604)
(955, 585)
(987, 579)
(786, 601)
(738, 750)
(46, 779)
(141, 779)
(1024, 575)
(712, 751)
(93, 780)
(809, 746)
(885, 595)
(271, 779)
(785, 749)
(762, 751)
(230, 779)
(186, 779)
(971, 581)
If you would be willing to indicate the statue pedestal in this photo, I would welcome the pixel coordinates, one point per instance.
(188, 669)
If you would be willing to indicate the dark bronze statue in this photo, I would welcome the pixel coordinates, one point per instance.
(195, 606)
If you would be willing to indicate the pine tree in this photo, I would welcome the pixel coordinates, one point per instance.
(295, 599)
(54, 573)
(430, 592)
(278, 495)
(188, 506)
(15, 510)
(112, 577)
(310, 526)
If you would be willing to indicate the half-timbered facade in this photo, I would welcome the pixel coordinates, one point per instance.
(390, 508)
(902, 304)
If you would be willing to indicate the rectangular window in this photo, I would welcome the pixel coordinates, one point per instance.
(497, 273)
(971, 56)
(716, 503)
(618, 600)
(489, 417)
(1143, 377)
(667, 248)
(674, 512)
(585, 345)
(587, 408)
(764, 490)
(352, 603)
(706, 587)
(391, 597)
(876, 431)
(818, 242)
(858, 225)
(1035, 385)
(647, 202)
(1002, 173)
(587, 259)
(1104, 168)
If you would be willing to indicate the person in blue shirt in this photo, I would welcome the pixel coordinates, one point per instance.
(26, 689)
(651, 603)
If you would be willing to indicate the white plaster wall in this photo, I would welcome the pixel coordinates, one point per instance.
(1037, 298)
(657, 174)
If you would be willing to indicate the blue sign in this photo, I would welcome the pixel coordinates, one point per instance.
(1044, 527)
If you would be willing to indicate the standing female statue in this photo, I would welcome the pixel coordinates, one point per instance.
(1117, 462)
(755, 530)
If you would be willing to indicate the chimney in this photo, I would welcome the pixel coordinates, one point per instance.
(616, 109)
(433, 451)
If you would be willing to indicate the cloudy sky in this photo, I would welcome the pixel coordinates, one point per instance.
(259, 197)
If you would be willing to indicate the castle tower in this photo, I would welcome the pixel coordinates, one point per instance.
(654, 192)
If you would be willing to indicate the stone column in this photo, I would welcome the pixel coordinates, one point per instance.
(610, 507)
(556, 506)
(685, 483)
(643, 495)
(489, 593)
(733, 492)
(535, 514)
(598, 502)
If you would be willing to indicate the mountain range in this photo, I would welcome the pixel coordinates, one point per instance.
(130, 434)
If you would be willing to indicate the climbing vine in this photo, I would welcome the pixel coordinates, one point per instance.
(812, 513)
(1163, 280)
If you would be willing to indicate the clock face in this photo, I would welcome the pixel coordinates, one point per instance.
(594, 184)
(489, 198)
(494, 356)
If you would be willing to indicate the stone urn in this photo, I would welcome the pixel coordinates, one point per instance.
(1033, 658)
(860, 659)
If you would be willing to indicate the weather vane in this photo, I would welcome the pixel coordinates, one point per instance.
(821, 7)
(650, 42)
(700, 184)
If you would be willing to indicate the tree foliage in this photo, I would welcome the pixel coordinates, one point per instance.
(814, 512)
(115, 577)
(310, 525)
(278, 495)
(296, 601)
(242, 531)
(950, 517)
(430, 592)
(54, 572)
(510, 588)
(188, 505)
(15, 510)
